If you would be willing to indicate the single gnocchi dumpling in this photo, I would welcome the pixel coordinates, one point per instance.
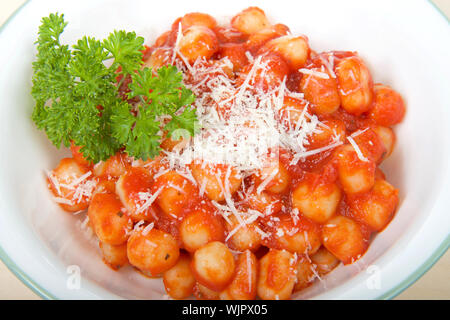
(322, 91)
(72, 185)
(277, 276)
(199, 227)
(355, 84)
(294, 50)
(198, 42)
(107, 217)
(213, 266)
(316, 201)
(388, 107)
(153, 252)
(250, 20)
(376, 207)
(345, 239)
(179, 280)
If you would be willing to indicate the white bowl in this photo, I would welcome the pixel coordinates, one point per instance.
(404, 43)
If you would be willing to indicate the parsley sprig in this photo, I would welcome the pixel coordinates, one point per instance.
(77, 94)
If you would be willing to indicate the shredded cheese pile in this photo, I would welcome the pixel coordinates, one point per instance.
(78, 188)
(240, 126)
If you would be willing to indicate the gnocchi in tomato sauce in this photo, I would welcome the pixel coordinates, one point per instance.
(281, 184)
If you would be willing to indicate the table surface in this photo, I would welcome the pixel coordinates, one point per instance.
(430, 286)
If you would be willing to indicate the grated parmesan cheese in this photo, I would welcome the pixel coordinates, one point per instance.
(79, 188)
(148, 200)
(239, 126)
(147, 229)
(249, 271)
(317, 74)
(357, 149)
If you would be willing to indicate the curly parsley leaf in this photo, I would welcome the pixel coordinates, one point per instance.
(126, 49)
(78, 101)
(160, 95)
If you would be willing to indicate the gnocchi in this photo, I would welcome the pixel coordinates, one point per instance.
(279, 182)
(276, 279)
(213, 266)
(179, 280)
(200, 227)
(110, 223)
(153, 252)
(355, 85)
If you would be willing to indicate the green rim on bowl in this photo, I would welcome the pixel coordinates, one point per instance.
(402, 286)
(392, 293)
